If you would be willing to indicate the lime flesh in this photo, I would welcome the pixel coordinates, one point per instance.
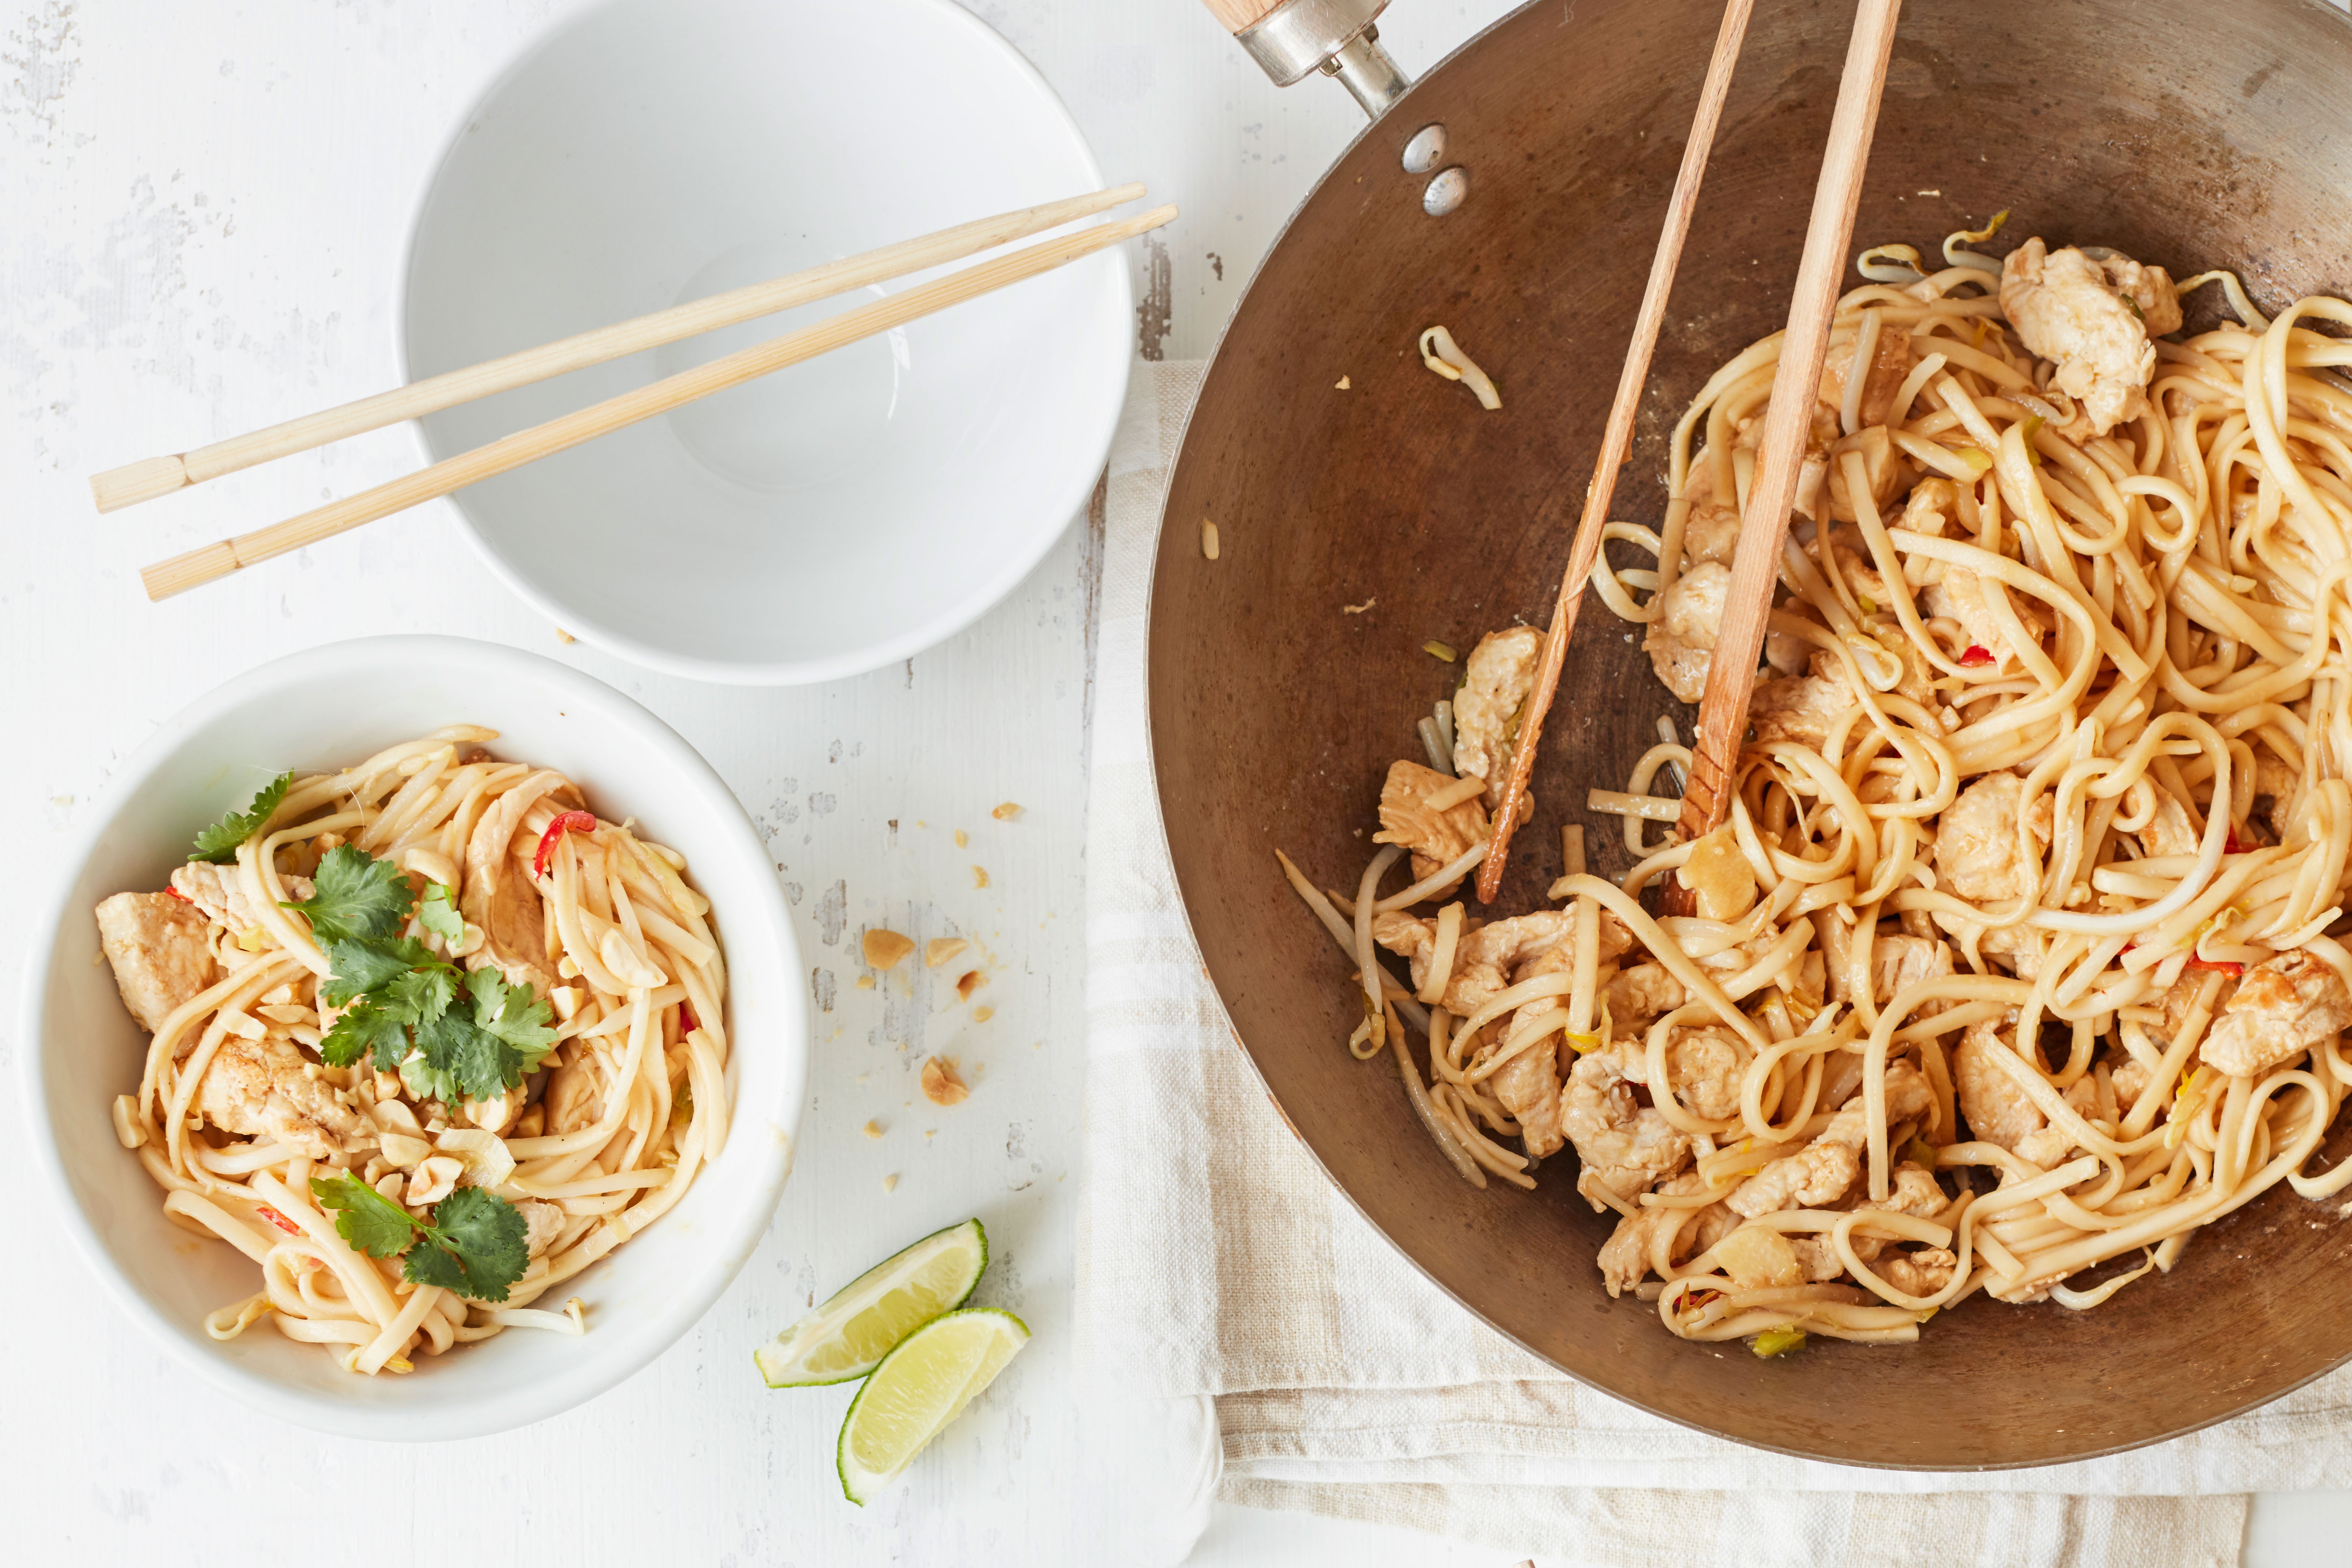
(920, 1388)
(848, 1336)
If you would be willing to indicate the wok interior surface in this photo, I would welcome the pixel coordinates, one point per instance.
(2158, 127)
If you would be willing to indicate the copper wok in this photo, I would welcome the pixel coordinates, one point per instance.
(2162, 127)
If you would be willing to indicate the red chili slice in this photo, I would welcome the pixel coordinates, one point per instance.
(685, 1020)
(2218, 966)
(280, 1220)
(2233, 845)
(565, 822)
(175, 893)
(1976, 656)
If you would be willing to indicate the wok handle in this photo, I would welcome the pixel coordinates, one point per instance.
(1293, 39)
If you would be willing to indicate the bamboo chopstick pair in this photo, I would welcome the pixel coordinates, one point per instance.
(153, 477)
(1731, 674)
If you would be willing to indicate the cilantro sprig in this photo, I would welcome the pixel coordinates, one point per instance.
(401, 1002)
(217, 844)
(476, 1244)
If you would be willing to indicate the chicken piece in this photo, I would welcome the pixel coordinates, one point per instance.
(1820, 1172)
(220, 893)
(1640, 994)
(1895, 962)
(1884, 472)
(2131, 1080)
(2170, 831)
(1626, 1147)
(1800, 709)
(268, 1087)
(544, 1222)
(1979, 855)
(1681, 641)
(2282, 1007)
(575, 1091)
(1711, 534)
(1997, 1107)
(498, 896)
(2280, 784)
(156, 945)
(1703, 1065)
(2093, 322)
(1435, 838)
(1528, 1084)
(1889, 362)
(1496, 680)
(1912, 1192)
(1625, 1256)
(1484, 958)
(1920, 1273)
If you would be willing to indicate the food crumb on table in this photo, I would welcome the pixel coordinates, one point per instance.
(970, 981)
(943, 1085)
(940, 949)
(1007, 812)
(980, 875)
(961, 838)
(890, 1182)
(872, 1129)
(885, 948)
(982, 1015)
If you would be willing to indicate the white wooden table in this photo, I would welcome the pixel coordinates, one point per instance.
(202, 212)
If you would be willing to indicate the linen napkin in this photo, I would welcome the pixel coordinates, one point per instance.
(1248, 1337)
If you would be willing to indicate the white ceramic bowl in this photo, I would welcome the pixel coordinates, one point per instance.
(837, 516)
(332, 707)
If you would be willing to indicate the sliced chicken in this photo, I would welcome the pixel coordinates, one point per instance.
(1640, 994)
(1496, 680)
(1624, 1146)
(498, 895)
(2091, 319)
(155, 943)
(1913, 1191)
(1681, 641)
(268, 1087)
(544, 1222)
(1435, 838)
(1625, 1256)
(1703, 1065)
(1889, 362)
(1979, 853)
(575, 1091)
(1822, 1171)
(1996, 1109)
(2170, 831)
(220, 893)
(1920, 1273)
(2282, 1007)
(1528, 1084)
(1484, 958)
(1798, 708)
(1895, 962)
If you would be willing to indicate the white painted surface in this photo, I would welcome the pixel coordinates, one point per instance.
(203, 207)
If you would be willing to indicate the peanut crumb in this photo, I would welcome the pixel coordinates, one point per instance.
(1341, 384)
(1007, 812)
(939, 949)
(970, 981)
(961, 838)
(980, 875)
(884, 948)
(1208, 538)
(982, 1015)
(872, 1130)
(865, 982)
(563, 636)
(942, 1084)
(890, 1182)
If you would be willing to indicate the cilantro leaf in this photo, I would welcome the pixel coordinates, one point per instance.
(467, 1058)
(514, 1014)
(485, 1236)
(362, 1030)
(365, 1217)
(421, 994)
(368, 964)
(421, 1079)
(438, 915)
(218, 843)
(429, 1265)
(357, 895)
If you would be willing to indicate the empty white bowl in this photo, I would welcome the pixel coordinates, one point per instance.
(838, 515)
(328, 708)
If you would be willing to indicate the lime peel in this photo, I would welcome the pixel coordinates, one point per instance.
(858, 1327)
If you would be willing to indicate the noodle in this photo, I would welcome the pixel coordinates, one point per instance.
(236, 1111)
(2037, 854)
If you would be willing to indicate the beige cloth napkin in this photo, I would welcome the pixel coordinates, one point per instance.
(1254, 1340)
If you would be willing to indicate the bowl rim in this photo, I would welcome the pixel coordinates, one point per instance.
(1072, 497)
(493, 1409)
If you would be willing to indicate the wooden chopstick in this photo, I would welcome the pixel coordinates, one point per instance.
(1617, 442)
(1796, 385)
(218, 559)
(152, 477)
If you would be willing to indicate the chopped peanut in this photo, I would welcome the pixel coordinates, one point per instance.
(939, 949)
(941, 1085)
(883, 948)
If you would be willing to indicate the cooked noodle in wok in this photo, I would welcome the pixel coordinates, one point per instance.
(2019, 957)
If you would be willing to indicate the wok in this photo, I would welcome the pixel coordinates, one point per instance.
(2160, 127)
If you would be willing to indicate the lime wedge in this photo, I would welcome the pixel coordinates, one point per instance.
(851, 1334)
(920, 1388)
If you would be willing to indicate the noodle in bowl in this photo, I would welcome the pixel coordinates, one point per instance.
(651, 1186)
